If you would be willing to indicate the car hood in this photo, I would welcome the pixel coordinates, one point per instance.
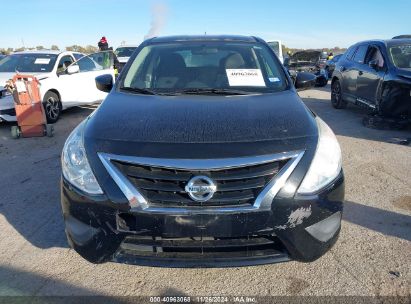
(163, 125)
(309, 56)
(4, 76)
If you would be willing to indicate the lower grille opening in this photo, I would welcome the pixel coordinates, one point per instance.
(11, 112)
(126, 222)
(198, 248)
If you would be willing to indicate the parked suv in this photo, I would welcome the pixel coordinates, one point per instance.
(375, 74)
(202, 155)
(124, 52)
(277, 47)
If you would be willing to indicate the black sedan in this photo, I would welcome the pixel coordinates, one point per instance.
(375, 74)
(202, 155)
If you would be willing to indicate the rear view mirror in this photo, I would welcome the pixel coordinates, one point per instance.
(305, 81)
(72, 69)
(104, 82)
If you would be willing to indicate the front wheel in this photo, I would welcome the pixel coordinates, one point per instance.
(52, 107)
(15, 132)
(336, 95)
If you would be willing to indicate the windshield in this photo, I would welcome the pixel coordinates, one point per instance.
(30, 63)
(401, 56)
(184, 67)
(124, 51)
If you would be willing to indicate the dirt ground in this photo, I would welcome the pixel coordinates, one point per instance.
(372, 256)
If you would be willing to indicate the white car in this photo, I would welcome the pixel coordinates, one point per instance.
(67, 79)
(124, 52)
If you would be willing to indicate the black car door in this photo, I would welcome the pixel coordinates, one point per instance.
(349, 69)
(351, 75)
(370, 76)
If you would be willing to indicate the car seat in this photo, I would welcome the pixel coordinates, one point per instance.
(232, 61)
(171, 71)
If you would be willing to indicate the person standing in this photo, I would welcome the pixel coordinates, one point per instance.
(103, 46)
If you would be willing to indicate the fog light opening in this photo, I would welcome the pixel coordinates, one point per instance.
(325, 229)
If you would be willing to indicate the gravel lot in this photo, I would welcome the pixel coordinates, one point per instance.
(372, 256)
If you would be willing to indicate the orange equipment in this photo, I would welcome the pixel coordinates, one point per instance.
(30, 115)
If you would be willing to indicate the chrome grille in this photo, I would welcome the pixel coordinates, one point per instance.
(164, 187)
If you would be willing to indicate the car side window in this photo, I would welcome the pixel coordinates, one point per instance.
(374, 53)
(350, 52)
(96, 62)
(77, 56)
(360, 54)
(64, 62)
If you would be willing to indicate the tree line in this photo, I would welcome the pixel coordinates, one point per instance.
(88, 49)
(335, 50)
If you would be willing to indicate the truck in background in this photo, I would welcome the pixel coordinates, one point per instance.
(277, 47)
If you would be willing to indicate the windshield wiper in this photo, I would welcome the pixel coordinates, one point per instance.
(138, 90)
(213, 92)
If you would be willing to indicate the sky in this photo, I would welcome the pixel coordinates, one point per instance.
(297, 23)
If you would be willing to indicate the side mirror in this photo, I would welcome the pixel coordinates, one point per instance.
(72, 69)
(373, 64)
(104, 82)
(305, 81)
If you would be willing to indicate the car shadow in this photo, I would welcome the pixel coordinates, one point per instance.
(20, 286)
(383, 221)
(348, 122)
(31, 172)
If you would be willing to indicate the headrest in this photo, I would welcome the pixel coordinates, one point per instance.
(234, 61)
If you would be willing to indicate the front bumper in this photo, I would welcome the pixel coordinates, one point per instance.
(102, 231)
(322, 77)
(7, 110)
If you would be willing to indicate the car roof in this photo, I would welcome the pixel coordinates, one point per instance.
(50, 52)
(127, 45)
(398, 41)
(388, 42)
(189, 38)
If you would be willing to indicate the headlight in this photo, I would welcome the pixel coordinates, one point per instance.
(4, 93)
(75, 166)
(324, 73)
(326, 164)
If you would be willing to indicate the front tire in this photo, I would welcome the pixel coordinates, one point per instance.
(52, 107)
(336, 95)
(15, 132)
